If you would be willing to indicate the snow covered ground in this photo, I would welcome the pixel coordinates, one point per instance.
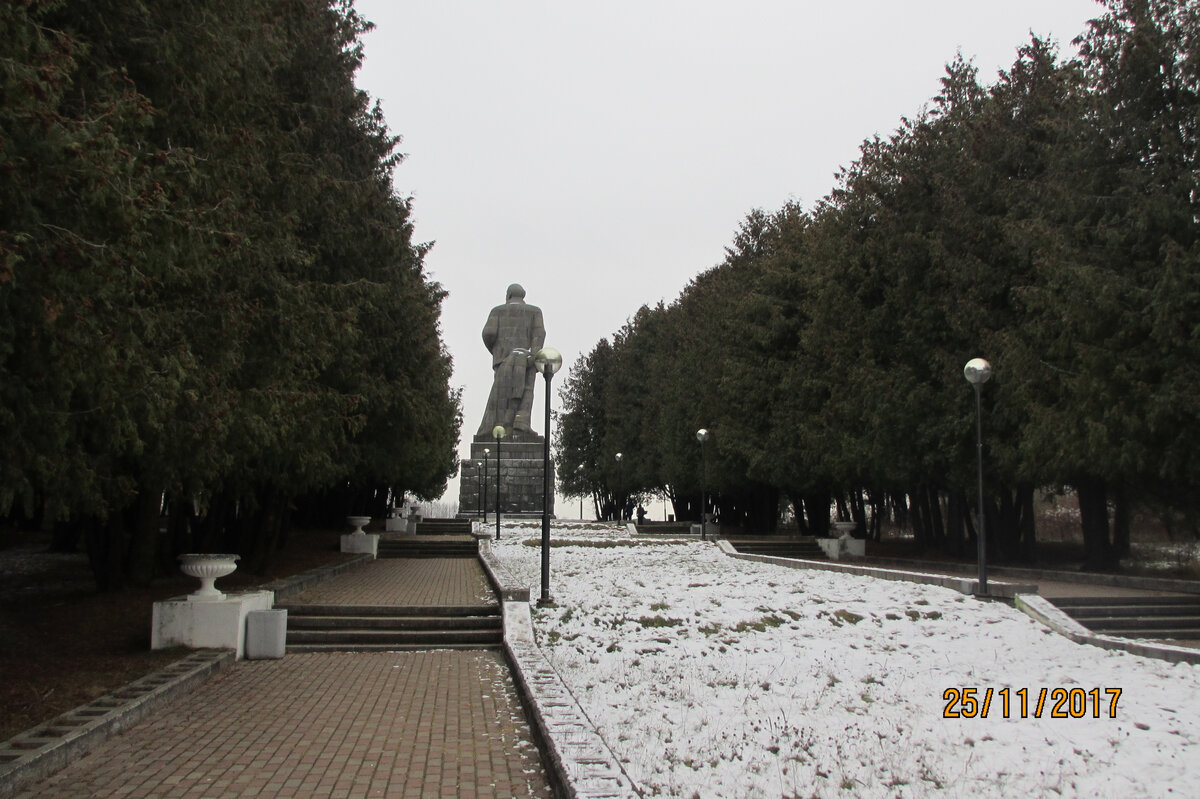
(709, 676)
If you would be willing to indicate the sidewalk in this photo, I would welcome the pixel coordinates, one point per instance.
(437, 723)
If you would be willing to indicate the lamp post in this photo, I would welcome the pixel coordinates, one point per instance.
(481, 473)
(702, 436)
(620, 482)
(978, 371)
(483, 505)
(547, 360)
(579, 469)
(499, 432)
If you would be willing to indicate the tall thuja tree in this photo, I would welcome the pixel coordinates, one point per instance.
(1010, 144)
(581, 455)
(701, 350)
(633, 423)
(74, 205)
(1110, 327)
(888, 303)
(776, 399)
(208, 271)
(389, 360)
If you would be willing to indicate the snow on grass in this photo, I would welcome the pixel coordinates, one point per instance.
(711, 676)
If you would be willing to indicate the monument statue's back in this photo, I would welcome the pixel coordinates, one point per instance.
(513, 333)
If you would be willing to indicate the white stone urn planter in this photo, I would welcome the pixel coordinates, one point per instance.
(844, 528)
(358, 523)
(207, 568)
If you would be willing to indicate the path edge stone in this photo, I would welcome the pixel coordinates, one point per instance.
(43, 750)
(997, 589)
(578, 761)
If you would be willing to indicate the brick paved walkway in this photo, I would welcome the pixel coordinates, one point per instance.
(439, 723)
(399, 724)
(405, 582)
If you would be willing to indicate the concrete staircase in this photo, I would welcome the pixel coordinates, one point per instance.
(434, 546)
(799, 548)
(444, 527)
(362, 628)
(1166, 617)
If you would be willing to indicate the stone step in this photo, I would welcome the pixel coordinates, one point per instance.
(802, 550)
(444, 527)
(491, 622)
(315, 628)
(1125, 601)
(427, 638)
(426, 553)
(456, 546)
(391, 611)
(1116, 609)
(388, 647)
(1132, 624)
(1158, 617)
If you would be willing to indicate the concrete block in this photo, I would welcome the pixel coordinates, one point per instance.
(266, 634)
(367, 543)
(216, 624)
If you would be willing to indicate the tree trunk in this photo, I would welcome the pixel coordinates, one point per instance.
(1028, 524)
(956, 524)
(1120, 524)
(143, 545)
(933, 508)
(1093, 517)
(858, 512)
(106, 552)
(816, 508)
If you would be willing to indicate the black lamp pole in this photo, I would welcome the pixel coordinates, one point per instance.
(548, 373)
(702, 436)
(483, 491)
(978, 371)
(547, 360)
(498, 432)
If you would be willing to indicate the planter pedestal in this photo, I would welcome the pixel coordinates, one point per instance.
(212, 624)
(361, 542)
(358, 541)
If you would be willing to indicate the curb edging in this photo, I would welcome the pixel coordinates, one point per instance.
(40, 751)
(997, 589)
(578, 761)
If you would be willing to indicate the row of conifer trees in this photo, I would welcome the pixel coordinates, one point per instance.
(1048, 221)
(211, 303)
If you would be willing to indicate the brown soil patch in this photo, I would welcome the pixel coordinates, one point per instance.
(62, 644)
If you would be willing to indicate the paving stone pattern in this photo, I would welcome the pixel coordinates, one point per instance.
(394, 724)
(406, 582)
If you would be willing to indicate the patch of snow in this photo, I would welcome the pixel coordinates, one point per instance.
(710, 676)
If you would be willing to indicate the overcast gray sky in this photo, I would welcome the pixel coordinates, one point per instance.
(603, 153)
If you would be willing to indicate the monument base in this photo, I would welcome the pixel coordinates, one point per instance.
(520, 480)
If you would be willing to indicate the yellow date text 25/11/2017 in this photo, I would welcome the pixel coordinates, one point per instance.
(1055, 703)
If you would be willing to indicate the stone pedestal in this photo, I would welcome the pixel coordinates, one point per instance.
(843, 547)
(361, 542)
(520, 483)
(212, 624)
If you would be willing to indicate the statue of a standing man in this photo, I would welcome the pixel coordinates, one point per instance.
(513, 333)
